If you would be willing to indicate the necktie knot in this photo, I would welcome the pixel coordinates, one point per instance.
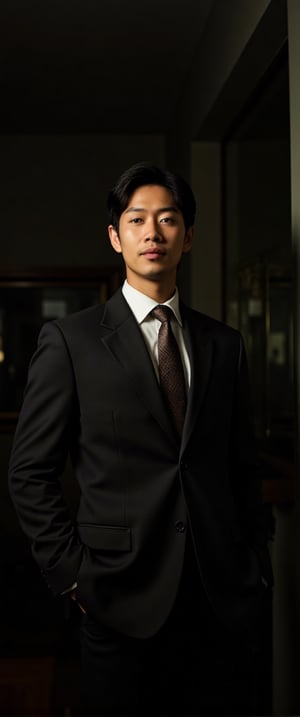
(162, 313)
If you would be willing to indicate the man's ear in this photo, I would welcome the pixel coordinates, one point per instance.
(188, 240)
(114, 239)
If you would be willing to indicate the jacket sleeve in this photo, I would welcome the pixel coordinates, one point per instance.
(40, 448)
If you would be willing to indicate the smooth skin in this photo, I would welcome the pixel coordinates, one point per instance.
(152, 239)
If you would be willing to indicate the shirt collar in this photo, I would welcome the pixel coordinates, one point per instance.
(141, 305)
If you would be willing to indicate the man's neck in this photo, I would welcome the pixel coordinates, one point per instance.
(154, 290)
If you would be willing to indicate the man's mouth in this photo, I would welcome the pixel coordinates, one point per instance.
(153, 253)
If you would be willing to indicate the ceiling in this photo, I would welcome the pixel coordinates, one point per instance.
(96, 65)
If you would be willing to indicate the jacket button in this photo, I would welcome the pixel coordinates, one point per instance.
(180, 526)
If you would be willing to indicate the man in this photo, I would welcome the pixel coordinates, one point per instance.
(168, 558)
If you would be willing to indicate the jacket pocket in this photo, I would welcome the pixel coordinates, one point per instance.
(105, 537)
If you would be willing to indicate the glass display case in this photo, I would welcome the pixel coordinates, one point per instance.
(29, 298)
(266, 322)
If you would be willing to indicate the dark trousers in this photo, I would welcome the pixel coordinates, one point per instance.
(192, 666)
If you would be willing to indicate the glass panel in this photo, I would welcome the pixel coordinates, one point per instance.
(259, 296)
(27, 301)
(280, 374)
(22, 314)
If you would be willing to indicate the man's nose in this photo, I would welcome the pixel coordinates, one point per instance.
(153, 230)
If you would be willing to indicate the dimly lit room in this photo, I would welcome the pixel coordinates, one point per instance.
(208, 89)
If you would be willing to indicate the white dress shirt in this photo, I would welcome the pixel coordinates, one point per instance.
(142, 306)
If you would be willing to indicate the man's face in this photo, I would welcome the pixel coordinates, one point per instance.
(152, 237)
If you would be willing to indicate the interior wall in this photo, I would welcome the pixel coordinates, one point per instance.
(206, 257)
(238, 40)
(264, 169)
(53, 195)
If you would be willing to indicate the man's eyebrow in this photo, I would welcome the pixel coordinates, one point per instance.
(161, 210)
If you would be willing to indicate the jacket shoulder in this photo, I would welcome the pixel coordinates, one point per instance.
(90, 316)
(209, 324)
(109, 313)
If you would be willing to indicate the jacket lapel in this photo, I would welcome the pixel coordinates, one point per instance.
(124, 340)
(200, 349)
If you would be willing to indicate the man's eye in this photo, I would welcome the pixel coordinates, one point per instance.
(135, 220)
(167, 220)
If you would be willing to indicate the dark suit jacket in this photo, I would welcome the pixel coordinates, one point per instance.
(92, 391)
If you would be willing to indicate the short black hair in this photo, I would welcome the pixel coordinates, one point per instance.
(144, 173)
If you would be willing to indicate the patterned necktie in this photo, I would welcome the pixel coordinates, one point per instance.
(170, 367)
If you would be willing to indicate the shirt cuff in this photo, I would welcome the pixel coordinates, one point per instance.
(69, 590)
